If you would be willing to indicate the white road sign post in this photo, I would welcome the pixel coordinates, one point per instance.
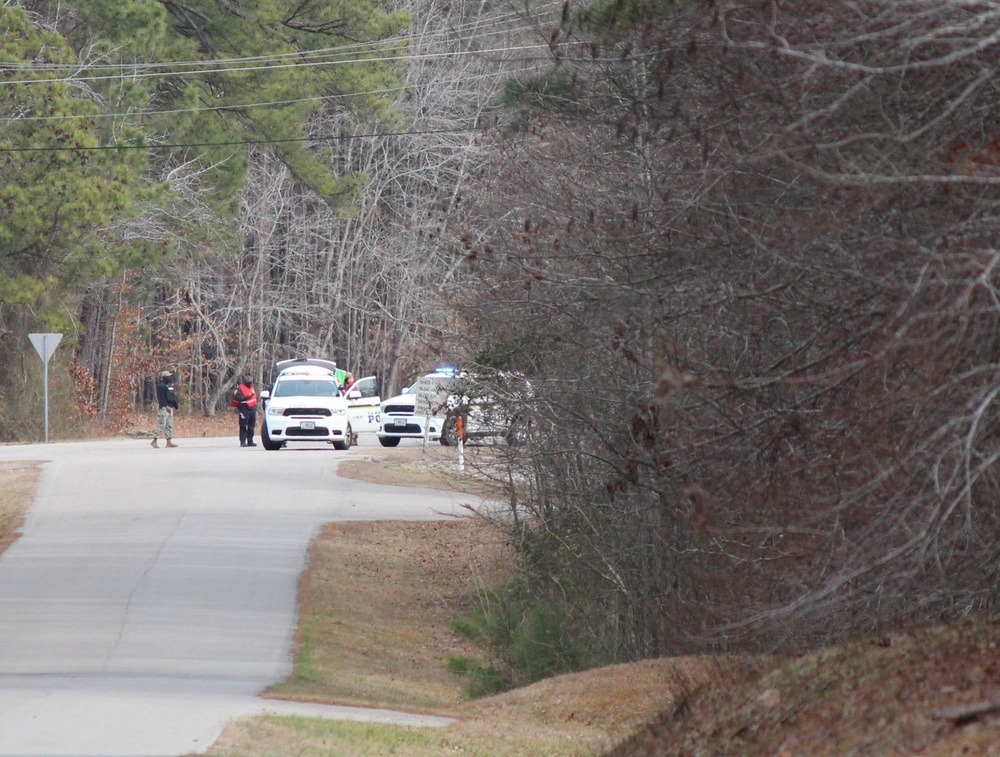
(45, 345)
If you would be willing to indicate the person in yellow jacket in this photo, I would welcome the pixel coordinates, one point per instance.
(245, 402)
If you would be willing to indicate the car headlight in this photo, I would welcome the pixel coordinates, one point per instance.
(273, 409)
(338, 411)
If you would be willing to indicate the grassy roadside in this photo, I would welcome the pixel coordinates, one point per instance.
(18, 481)
(376, 602)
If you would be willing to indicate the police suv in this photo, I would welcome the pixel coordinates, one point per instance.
(306, 404)
(398, 415)
(491, 407)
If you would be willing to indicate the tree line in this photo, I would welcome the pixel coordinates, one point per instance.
(745, 253)
(264, 182)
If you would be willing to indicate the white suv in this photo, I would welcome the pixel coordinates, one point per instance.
(305, 405)
(399, 419)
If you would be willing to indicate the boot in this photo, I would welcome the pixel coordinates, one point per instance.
(170, 443)
(154, 444)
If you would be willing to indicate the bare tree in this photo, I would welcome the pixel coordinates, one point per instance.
(748, 259)
(368, 285)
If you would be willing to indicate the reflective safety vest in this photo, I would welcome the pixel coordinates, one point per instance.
(244, 395)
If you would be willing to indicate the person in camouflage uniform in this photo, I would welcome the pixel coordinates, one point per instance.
(166, 400)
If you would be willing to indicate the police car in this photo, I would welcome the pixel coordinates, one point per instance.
(305, 405)
(491, 407)
(399, 417)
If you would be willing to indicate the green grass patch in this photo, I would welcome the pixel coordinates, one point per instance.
(273, 736)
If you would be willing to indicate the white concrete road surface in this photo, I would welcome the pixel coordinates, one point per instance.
(152, 594)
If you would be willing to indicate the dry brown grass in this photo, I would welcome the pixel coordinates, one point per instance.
(379, 598)
(376, 602)
(18, 481)
(190, 425)
(931, 692)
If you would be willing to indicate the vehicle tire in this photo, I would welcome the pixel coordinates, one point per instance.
(389, 441)
(348, 437)
(265, 439)
(449, 431)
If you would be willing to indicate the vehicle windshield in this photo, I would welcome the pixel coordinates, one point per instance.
(294, 388)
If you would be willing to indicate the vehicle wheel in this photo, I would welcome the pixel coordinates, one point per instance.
(346, 444)
(389, 441)
(265, 439)
(449, 432)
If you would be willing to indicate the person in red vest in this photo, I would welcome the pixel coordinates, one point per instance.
(245, 402)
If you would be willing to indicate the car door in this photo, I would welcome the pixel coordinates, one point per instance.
(363, 405)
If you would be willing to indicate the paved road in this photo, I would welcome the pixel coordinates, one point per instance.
(152, 594)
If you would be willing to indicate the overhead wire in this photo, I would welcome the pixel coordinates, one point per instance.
(247, 105)
(276, 66)
(424, 40)
(237, 142)
(483, 30)
(330, 55)
(356, 47)
(305, 139)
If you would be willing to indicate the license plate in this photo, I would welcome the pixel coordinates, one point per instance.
(399, 422)
(308, 425)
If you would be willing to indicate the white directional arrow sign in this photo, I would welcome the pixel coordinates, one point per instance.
(45, 345)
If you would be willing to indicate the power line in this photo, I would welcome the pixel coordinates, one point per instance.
(134, 114)
(259, 104)
(323, 56)
(278, 66)
(479, 30)
(467, 35)
(234, 143)
(452, 33)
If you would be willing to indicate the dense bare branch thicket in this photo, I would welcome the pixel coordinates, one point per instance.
(747, 255)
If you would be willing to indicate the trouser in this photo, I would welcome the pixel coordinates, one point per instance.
(248, 423)
(164, 423)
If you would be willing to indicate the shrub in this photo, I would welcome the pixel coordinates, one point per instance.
(525, 640)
